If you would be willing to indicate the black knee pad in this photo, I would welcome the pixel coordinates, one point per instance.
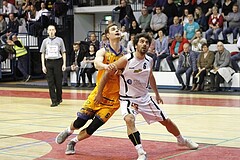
(79, 122)
(96, 123)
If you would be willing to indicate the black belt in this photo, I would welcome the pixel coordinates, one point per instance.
(53, 59)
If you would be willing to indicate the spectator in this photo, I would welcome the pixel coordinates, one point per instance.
(186, 4)
(171, 10)
(124, 37)
(206, 6)
(233, 18)
(158, 21)
(8, 8)
(215, 23)
(76, 58)
(3, 25)
(221, 68)
(144, 20)
(186, 64)
(236, 58)
(175, 50)
(198, 42)
(104, 42)
(134, 28)
(130, 47)
(184, 17)
(151, 49)
(161, 48)
(227, 7)
(190, 28)
(87, 66)
(126, 15)
(150, 4)
(174, 29)
(204, 64)
(12, 28)
(200, 18)
(21, 55)
(93, 40)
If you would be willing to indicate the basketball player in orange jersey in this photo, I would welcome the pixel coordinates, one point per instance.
(99, 111)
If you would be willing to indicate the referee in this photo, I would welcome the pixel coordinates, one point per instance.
(53, 63)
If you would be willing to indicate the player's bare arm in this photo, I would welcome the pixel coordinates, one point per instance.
(119, 64)
(98, 62)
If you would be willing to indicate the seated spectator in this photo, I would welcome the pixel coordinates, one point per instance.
(126, 15)
(200, 18)
(190, 28)
(87, 66)
(93, 40)
(130, 47)
(8, 8)
(12, 28)
(124, 37)
(204, 64)
(227, 7)
(75, 60)
(144, 20)
(174, 29)
(186, 64)
(236, 58)
(222, 70)
(186, 4)
(184, 17)
(151, 49)
(134, 28)
(3, 25)
(175, 50)
(233, 18)
(104, 42)
(206, 7)
(158, 21)
(161, 48)
(215, 26)
(21, 55)
(171, 11)
(198, 42)
(150, 4)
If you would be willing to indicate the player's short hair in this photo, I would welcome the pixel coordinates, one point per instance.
(110, 25)
(140, 35)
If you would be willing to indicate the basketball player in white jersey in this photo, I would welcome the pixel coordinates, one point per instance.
(135, 98)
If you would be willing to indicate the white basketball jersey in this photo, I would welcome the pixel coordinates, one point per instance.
(135, 78)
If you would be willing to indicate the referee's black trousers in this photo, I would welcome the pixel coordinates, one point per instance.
(54, 79)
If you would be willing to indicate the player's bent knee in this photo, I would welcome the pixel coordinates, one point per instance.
(96, 123)
(79, 122)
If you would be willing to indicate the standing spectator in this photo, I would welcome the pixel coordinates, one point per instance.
(144, 20)
(222, 70)
(233, 18)
(204, 64)
(171, 10)
(186, 64)
(134, 28)
(158, 21)
(12, 28)
(76, 58)
(175, 50)
(93, 40)
(21, 55)
(175, 28)
(198, 42)
(87, 66)
(236, 58)
(215, 23)
(53, 64)
(161, 48)
(190, 28)
(200, 18)
(126, 15)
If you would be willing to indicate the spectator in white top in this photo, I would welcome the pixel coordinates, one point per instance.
(8, 8)
(130, 46)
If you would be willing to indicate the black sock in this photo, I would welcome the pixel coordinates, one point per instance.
(135, 138)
